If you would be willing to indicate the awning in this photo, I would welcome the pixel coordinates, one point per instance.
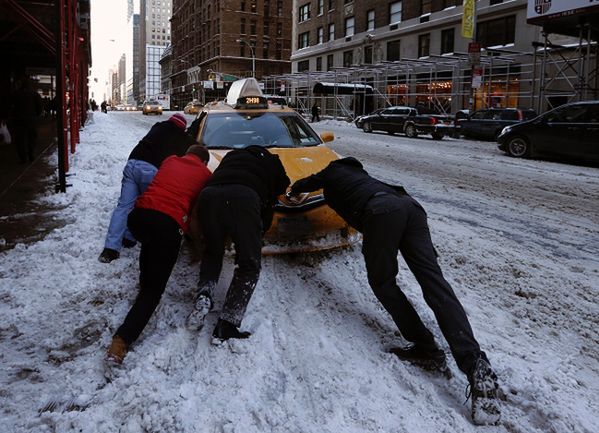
(341, 88)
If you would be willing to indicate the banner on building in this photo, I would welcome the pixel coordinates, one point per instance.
(468, 18)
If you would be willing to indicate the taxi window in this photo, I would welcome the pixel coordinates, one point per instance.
(239, 130)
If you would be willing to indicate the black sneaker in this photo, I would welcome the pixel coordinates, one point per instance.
(225, 330)
(486, 409)
(128, 243)
(108, 255)
(428, 359)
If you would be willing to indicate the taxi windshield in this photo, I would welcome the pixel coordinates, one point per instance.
(239, 130)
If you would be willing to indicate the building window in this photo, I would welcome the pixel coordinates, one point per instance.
(279, 29)
(329, 62)
(242, 28)
(447, 38)
(320, 7)
(501, 31)
(393, 50)
(303, 66)
(449, 3)
(349, 26)
(331, 5)
(348, 58)
(242, 6)
(253, 27)
(395, 12)
(320, 33)
(279, 51)
(280, 8)
(495, 2)
(304, 13)
(370, 20)
(303, 40)
(368, 55)
(424, 44)
(425, 7)
(331, 32)
(319, 63)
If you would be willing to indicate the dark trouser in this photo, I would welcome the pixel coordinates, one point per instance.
(393, 223)
(160, 238)
(25, 136)
(231, 211)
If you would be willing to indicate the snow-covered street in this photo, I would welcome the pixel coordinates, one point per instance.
(518, 240)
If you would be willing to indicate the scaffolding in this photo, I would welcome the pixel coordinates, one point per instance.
(444, 84)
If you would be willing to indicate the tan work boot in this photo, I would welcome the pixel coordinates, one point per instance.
(117, 351)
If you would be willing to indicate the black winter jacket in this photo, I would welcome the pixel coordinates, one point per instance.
(258, 169)
(163, 140)
(347, 188)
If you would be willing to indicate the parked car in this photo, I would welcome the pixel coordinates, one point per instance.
(488, 123)
(193, 107)
(570, 131)
(408, 121)
(359, 121)
(151, 106)
(247, 118)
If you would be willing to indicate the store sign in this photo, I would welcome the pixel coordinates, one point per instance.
(208, 84)
(468, 18)
(477, 77)
(540, 10)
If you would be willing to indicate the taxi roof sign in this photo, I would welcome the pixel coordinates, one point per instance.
(243, 88)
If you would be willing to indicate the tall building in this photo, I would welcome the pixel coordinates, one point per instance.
(155, 35)
(397, 47)
(222, 40)
(136, 61)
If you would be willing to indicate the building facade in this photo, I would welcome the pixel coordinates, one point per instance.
(155, 35)
(409, 50)
(219, 41)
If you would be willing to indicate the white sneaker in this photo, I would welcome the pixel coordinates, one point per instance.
(202, 306)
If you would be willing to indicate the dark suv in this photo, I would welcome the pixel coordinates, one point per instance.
(571, 130)
(488, 123)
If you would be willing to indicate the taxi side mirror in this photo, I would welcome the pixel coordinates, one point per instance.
(327, 136)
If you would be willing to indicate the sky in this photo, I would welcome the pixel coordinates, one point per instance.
(518, 239)
(109, 35)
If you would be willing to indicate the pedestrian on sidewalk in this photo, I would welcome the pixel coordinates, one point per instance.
(159, 220)
(390, 220)
(237, 203)
(315, 113)
(26, 109)
(163, 140)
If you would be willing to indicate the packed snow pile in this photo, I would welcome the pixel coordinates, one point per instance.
(518, 240)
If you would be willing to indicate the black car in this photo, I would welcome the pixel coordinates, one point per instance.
(488, 123)
(406, 120)
(571, 130)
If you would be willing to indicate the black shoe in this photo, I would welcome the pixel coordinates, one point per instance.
(423, 357)
(486, 409)
(225, 330)
(108, 255)
(128, 243)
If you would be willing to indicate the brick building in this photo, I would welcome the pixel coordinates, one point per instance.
(220, 40)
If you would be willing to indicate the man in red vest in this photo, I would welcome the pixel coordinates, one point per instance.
(159, 221)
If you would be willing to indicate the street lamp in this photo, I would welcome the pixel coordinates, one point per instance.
(243, 41)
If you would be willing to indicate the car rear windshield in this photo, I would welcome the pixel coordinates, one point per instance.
(239, 130)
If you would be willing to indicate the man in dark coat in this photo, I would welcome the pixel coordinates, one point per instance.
(237, 203)
(163, 140)
(315, 113)
(26, 109)
(391, 221)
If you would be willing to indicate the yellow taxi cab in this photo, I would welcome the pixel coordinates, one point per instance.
(151, 106)
(193, 107)
(247, 118)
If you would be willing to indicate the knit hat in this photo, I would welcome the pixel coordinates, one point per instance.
(178, 120)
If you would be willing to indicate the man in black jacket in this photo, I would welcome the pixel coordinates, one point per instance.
(163, 140)
(237, 203)
(391, 220)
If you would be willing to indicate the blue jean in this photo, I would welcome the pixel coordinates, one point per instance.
(137, 175)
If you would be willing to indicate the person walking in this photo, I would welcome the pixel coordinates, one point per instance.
(390, 220)
(103, 106)
(26, 109)
(159, 220)
(163, 140)
(237, 203)
(315, 113)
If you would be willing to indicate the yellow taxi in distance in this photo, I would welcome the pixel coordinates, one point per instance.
(247, 118)
(151, 106)
(193, 107)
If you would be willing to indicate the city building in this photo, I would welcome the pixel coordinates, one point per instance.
(136, 61)
(413, 52)
(155, 35)
(215, 42)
